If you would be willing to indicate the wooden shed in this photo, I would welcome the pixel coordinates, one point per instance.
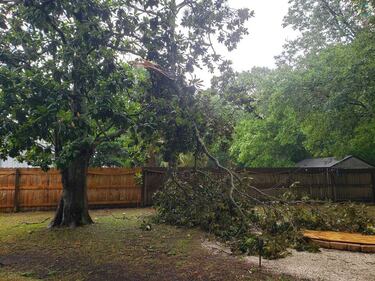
(348, 162)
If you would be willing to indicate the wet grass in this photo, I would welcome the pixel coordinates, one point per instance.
(114, 248)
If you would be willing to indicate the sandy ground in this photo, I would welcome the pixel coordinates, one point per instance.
(330, 265)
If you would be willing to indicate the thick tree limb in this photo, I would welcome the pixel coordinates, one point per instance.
(217, 163)
(111, 136)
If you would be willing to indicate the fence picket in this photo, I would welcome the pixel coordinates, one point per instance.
(25, 189)
(16, 203)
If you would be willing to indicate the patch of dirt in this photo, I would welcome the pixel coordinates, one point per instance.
(199, 267)
(327, 265)
(115, 248)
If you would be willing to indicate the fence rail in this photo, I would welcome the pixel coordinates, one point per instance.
(23, 189)
(316, 183)
(27, 189)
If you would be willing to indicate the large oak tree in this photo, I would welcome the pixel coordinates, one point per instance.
(64, 89)
(66, 84)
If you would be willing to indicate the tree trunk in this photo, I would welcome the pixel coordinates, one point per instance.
(73, 206)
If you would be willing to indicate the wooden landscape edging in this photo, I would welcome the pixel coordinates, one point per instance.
(342, 240)
(32, 188)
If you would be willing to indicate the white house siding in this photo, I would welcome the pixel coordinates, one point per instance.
(12, 163)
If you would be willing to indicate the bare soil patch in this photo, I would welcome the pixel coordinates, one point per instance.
(114, 248)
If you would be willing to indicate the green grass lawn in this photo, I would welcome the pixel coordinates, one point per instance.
(114, 248)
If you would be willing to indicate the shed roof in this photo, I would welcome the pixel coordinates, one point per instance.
(327, 162)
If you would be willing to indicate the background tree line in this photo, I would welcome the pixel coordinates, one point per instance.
(103, 82)
(112, 83)
(319, 101)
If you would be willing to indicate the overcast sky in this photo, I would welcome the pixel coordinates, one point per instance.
(266, 37)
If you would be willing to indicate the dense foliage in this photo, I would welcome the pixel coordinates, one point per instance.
(324, 106)
(81, 82)
(319, 101)
(63, 88)
(322, 23)
(200, 199)
(69, 80)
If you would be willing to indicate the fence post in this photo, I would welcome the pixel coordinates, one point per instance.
(333, 185)
(373, 185)
(16, 202)
(143, 192)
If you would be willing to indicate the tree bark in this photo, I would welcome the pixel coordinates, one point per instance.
(72, 210)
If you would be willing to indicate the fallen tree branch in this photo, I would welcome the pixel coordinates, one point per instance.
(230, 173)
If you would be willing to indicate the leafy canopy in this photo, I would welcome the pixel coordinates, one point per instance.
(64, 88)
(321, 23)
(67, 85)
(323, 106)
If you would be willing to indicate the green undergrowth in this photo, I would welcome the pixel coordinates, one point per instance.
(271, 228)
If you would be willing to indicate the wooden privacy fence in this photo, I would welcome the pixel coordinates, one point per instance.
(35, 189)
(25, 189)
(317, 183)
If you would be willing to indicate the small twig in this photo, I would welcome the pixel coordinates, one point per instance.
(250, 197)
(174, 179)
(120, 218)
(30, 223)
